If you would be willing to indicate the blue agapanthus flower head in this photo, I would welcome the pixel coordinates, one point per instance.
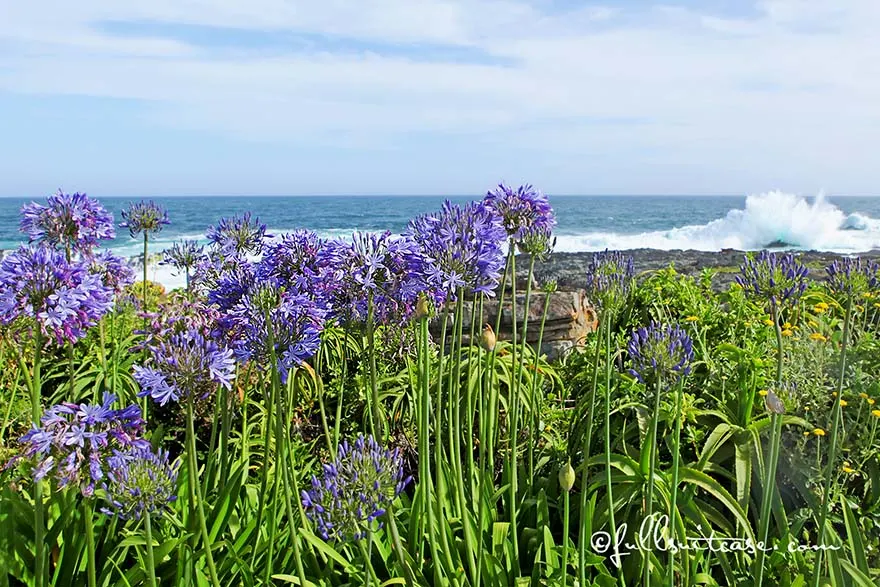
(523, 211)
(660, 351)
(116, 273)
(183, 256)
(139, 482)
(355, 490)
(239, 235)
(186, 363)
(371, 268)
(74, 442)
(610, 278)
(775, 278)
(292, 262)
(458, 247)
(266, 315)
(144, 217)
(73, 222)
(64, 298)
(853, 276)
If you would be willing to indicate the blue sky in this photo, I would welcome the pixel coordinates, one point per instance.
(439, 96)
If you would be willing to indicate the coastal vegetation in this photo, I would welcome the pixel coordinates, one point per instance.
(324, 412)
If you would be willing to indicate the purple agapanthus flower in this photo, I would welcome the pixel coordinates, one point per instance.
(523, 211)
(64, 298)
(610, 278)
(116, 273)
(293, 262)
(184, 256)
(184, 364)
(355, 490)
(75, 442)
(73, 222)
(144, 217)
(140, 482)
(663, 352)
(776, 278)
(371, 268)
(238, 235)
(853, 276)
(295, 320)
(458, 247)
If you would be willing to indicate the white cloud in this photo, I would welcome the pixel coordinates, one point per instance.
(791, 88)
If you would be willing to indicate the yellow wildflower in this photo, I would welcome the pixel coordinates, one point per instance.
(691, 319)
(860, 308)
(806, 433)
(814, 324)
(787, 332)
(875, 413)
(819, 432)
(820, 308)
(763, 393)
(768, 321)
(877, 305)
(786, 326)
(863, 395)
(871, 401)
(818, 337)
(843, 403)
(847, 469)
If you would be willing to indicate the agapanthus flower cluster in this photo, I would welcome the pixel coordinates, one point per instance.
(355, 490)
(293, 261)
(267, 314)
(144, 217)
(372, 267)
(64, 298)
(610, 278)
(75, 442)
(140, 482)
(238, 235)
(185, 364)
(183, 256)
(116, 273)
(776, 278)
(73, 222)
(853, 276)
(459, 247)
(178, 314)
(660, 351)
(524, 211)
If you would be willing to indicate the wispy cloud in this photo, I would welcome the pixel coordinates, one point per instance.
(784, 91)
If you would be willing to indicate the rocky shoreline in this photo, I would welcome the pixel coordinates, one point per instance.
(568, 269)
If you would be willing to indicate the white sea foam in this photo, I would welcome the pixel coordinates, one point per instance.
(773, 219)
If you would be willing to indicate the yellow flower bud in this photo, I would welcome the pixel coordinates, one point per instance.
(843, 403)
(763, 393)
(787, 332)
(768, 321)
(875, 413)
(566, 477)
(818, 337)
(863, 395)
(487, 338)
(819, 432)
(691, 319)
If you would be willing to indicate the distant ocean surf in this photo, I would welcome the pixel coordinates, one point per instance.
(586, 223)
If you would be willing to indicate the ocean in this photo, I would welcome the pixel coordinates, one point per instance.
(586, 223)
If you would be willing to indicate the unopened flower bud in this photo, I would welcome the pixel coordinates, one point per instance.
(566, 476)
(422, 309)
(487, 338)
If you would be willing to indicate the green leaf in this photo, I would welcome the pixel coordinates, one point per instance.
(854, 536)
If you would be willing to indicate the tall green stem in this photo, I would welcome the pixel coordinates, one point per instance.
(88, 519)
(151, 561)
(676, 458)
(36, 412)
(652, 446)
(770, 468)
(513, 417)
(566, 498)
(832, 456)
(583, 539)
(378, 427)
(194, 479)
(609, 488)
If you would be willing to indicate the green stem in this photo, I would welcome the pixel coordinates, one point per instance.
(425, 483)
(378, 427)
(513, 414)
(151, 564)
(103, 341)
(835, 424)
(194, 479)
(652, 446)
(530, 444)
(583, 539)
(565, 522)
(90, 542)
(609, 488)
(770, 468)
(264, 477)
(342, 379)
(676, 457)
(372, 579)
(36, 412)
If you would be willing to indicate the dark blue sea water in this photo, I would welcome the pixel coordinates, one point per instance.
(585, 222)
